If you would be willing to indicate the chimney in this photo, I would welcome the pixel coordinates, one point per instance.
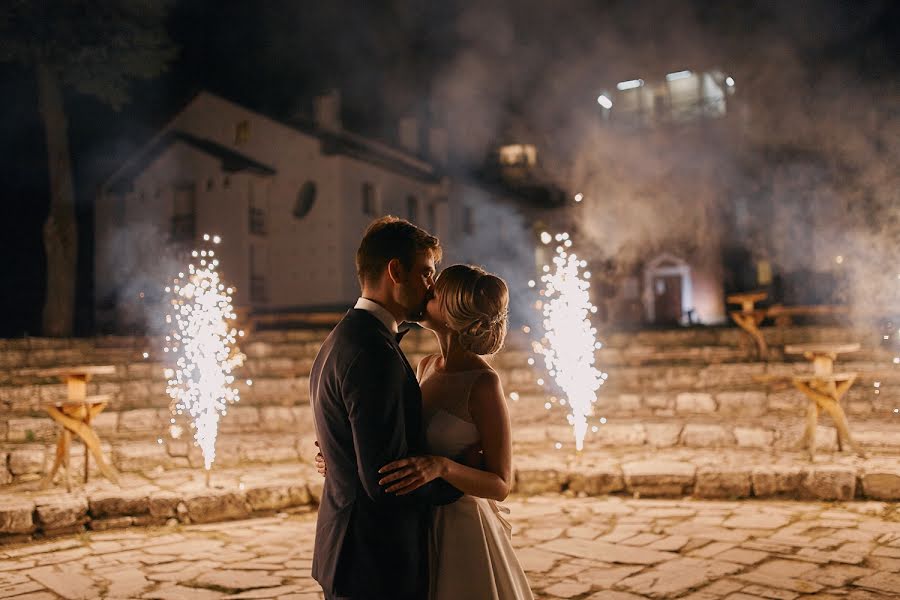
(327, 111)
(408, 131)
(438, 145)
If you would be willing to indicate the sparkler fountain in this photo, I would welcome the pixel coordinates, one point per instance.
(203, 343)
(569, 340)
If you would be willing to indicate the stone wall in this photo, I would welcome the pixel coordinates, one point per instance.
(689, 387)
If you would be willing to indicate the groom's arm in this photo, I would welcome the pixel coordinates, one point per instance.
(372, 391)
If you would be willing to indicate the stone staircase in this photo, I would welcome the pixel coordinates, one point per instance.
(667, 390)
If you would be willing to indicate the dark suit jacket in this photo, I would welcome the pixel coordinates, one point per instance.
(367, 407)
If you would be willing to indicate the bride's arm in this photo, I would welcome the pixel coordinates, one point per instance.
(487, 405)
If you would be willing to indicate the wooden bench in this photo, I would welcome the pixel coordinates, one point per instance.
(784, 315)
(749, 317)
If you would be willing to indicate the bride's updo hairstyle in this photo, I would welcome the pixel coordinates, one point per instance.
(476, 305)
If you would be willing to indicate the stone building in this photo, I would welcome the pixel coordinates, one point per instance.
(290, 201)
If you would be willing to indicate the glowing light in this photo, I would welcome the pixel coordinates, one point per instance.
(546, 238)
(678, 75)
(839, 259)
(629, 85)
(526, 329)
(146, 355)
(531, 283)
(557, 445)
(604, 101)
(729, 81)
(568, 351)
(579, 197)
(514, 396)
(205, 354)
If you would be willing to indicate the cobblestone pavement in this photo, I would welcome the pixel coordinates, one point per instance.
(583, 548)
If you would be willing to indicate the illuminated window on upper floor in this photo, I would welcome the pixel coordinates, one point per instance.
(518, 155)
(242, 132)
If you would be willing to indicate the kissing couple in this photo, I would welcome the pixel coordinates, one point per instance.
(415, 461)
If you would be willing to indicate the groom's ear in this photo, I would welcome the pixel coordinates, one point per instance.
(396, 271)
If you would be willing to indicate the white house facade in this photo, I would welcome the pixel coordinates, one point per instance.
(290, 202)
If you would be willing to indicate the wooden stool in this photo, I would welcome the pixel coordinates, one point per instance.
(74, 416)
(749, 318)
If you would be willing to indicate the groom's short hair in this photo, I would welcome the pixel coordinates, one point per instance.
(388, 238)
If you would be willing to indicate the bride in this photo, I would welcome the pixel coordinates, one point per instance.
(464, 407)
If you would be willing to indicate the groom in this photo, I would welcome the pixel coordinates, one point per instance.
(367, 408)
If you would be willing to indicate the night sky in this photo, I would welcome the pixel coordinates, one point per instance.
(428, 59)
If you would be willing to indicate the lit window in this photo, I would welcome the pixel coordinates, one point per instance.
(518, 154)
(306, 197)
(242, 133)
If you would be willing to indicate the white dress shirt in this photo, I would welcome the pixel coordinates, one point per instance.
(380, 312)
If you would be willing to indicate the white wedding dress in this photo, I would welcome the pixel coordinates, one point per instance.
(470, 553)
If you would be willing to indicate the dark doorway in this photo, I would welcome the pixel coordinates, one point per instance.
(667, 298)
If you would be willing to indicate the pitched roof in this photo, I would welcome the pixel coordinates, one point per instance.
(231, 161)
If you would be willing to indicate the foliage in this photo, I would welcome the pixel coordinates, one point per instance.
(94, 46)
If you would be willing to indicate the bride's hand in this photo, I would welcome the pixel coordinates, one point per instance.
(412, 473)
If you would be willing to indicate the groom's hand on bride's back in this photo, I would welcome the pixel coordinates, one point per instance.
(320, 461)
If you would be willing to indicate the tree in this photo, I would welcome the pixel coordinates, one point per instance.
(94, 47)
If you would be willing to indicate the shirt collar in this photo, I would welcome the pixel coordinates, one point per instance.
(379, 312)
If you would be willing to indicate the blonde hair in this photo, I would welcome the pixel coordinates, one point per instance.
(476, 305)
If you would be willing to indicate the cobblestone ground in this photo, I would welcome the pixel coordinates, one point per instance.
(597, 548)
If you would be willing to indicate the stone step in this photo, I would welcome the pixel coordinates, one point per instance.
(765, 434)
(148, 453)
(180, 495)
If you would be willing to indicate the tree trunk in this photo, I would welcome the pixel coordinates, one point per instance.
(60, 228)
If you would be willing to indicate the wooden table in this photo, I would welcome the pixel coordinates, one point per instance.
(74, 416)
(824, 388)
(749, 317)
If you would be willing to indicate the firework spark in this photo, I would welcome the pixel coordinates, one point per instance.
(569, 340)
(202, 342)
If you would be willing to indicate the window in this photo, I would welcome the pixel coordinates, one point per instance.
(306, 197)
(468, 220)
(242, 133)
(256, 214)
(257, 274)
(184, 214)
(369, 200)
(431, 217)
(412, 208)
(518, 155)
